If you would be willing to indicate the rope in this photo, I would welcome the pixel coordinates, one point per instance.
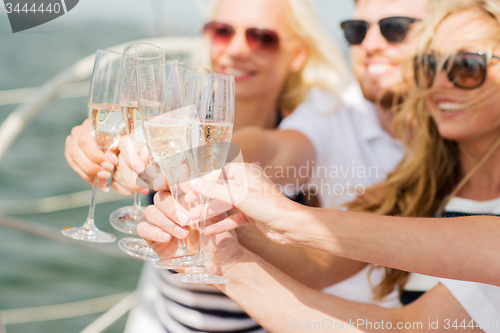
(55, 203)
(69, 90)
(117, 311)
(61, 311)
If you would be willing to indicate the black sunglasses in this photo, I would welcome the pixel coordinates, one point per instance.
(393, 29)
(465, 70)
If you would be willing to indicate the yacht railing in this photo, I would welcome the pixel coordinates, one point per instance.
(32, 101)
(65, 85)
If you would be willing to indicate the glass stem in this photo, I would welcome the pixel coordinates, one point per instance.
(89, 224)
(182, 249)
(203, 222)
(137, 201)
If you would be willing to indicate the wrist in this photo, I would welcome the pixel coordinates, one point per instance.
(235, 269)
(288, 227)
(227, 252)
(311, 227)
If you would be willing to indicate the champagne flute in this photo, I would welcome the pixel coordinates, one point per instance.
(161, 104)
(209, 137)
(126, 219)
(106, 125)
(191, 75)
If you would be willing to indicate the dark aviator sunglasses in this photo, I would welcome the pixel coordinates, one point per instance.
(393, 29)
(466, 70)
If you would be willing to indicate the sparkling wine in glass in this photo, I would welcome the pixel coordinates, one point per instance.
(106, 125)
(191, 75)
(161, 103)
(126, 219)
(209, 136)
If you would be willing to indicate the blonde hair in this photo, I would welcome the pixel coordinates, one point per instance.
(429, 174)
(324, 67)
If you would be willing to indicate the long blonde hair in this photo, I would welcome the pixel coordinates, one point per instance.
(430, 170)
(324, 67)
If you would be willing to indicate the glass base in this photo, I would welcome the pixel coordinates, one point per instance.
(200, 276)
(177, 262)
(86, 235)
(137, 247)
(126, 219)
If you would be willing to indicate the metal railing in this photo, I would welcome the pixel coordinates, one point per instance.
(31, 105)
(65, 85)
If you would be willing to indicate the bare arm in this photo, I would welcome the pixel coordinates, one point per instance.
(275, 149)
(281, 304)
(456, 248)
(313, 268)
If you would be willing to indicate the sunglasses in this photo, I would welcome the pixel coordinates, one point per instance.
(465, 70)
(263, 41)
(393, 29)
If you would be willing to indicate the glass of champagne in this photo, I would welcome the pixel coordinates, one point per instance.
(191, 75)
(161, 104)
(209, 134)
(106, 125)
(127, 218)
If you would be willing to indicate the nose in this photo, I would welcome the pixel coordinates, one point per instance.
(374, 41)
(238, 46)
(442, 81)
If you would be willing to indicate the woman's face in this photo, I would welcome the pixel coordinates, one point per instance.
(466, 115)
(256, 74)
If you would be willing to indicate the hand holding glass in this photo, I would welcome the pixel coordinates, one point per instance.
(209, 134)
(106, 125)
(126, 219)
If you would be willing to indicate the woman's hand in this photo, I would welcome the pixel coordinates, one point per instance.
(163, 232)
(85, 157)
(246, 188)
(130, 175)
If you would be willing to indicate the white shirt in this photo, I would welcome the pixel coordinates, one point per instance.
(480, 301)
(357, 288)
(352, 150)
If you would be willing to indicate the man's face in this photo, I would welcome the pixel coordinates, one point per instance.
(376, 62)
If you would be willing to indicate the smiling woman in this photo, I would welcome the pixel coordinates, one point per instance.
(456, 109)
(276, 51)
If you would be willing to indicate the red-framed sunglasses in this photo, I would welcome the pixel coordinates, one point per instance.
(263, 41)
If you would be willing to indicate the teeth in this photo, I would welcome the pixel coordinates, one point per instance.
(378, 68)
(448, 106)
(235, 72)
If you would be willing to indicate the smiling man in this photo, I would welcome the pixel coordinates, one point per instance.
(346, 143)
(378, 56)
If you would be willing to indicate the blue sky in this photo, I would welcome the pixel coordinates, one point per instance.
(178, 15)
